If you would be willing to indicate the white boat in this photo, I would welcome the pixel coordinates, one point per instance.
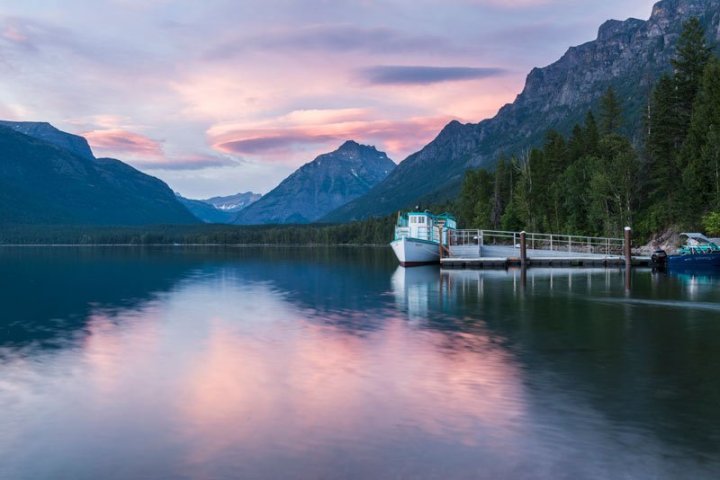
(420, 236)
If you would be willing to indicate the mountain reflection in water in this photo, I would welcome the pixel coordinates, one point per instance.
(335, 363)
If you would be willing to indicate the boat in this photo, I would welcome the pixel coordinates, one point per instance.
(421, 236)
(699, 252)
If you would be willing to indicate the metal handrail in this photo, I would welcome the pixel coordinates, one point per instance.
(539, 241)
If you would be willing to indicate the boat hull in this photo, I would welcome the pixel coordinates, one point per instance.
(705, 261)
(413, 252)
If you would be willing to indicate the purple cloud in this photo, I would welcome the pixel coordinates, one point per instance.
(424, 75)
(187, 162)
(336, 38)
(270, 143)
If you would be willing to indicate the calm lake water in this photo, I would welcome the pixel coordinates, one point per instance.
(335, 363)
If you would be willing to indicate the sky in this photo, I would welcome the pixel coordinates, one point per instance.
(217, 97)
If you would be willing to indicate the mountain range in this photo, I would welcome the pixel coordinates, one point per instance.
(51, 177)
(320, 186)
(219, 209)
(627, 55)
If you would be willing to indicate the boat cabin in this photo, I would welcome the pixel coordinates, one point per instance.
(424, 226)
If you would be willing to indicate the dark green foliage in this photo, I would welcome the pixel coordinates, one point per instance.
(692, 54)
(475, 205)
(711, 222)
(610, 112)
(672, 155)
(586, 184)
(701, 151)
(376, 231)
(661, 169)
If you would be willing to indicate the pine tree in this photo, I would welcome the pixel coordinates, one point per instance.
(701, 152)
(475, 203)
(502, 192)
(592, 135)
(661, 168)
(610, 112)
(692, 54)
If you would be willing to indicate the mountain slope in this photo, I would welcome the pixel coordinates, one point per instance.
(320, 186)
(46, 132)
(42, 183)
(204, 211)
(628, 55)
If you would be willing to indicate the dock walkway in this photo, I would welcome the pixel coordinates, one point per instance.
(501, 249)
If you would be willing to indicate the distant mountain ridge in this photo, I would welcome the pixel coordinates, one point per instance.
(219, 209)
(46, 132)
(320, 186)
(51, 177)
(628, 55)
(233, 203)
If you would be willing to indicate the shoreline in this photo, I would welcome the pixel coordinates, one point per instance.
(155, 245)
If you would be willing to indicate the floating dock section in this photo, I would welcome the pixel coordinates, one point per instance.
(501, 249)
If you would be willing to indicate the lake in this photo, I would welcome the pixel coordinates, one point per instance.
(334, 363)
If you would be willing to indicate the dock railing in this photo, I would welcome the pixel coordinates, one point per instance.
(475, 240)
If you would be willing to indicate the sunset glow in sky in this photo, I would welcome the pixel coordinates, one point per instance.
(221, 96)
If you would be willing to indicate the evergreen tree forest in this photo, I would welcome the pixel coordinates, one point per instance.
(374, 231)
(596, 181)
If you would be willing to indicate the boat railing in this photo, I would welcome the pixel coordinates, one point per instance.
(698, 249)
(539, 241)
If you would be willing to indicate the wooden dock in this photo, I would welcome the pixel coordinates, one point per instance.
(569, 261)
(499, 249)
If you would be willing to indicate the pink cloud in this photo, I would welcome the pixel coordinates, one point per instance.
(118, 141)
(147, 153)
(285, 144)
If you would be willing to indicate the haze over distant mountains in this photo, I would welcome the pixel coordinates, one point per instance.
(51, 177)
(627, 55)
(219, 209)
(318, 187)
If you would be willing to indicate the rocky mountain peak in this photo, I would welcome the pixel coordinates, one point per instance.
(354, 148)
(318, 187)
(679, 8)
(614, 28)
(46, 132)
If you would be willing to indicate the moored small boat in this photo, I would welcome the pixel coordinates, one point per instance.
(420, 236)
(697, 253)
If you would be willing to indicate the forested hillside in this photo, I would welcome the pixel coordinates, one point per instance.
(595, 181)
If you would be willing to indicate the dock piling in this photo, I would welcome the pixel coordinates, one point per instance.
(628, 247)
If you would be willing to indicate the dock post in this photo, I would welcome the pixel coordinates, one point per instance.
(440, 242)
(628, 248)
(523, 250)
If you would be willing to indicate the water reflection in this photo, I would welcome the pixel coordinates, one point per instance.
(280, 363)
